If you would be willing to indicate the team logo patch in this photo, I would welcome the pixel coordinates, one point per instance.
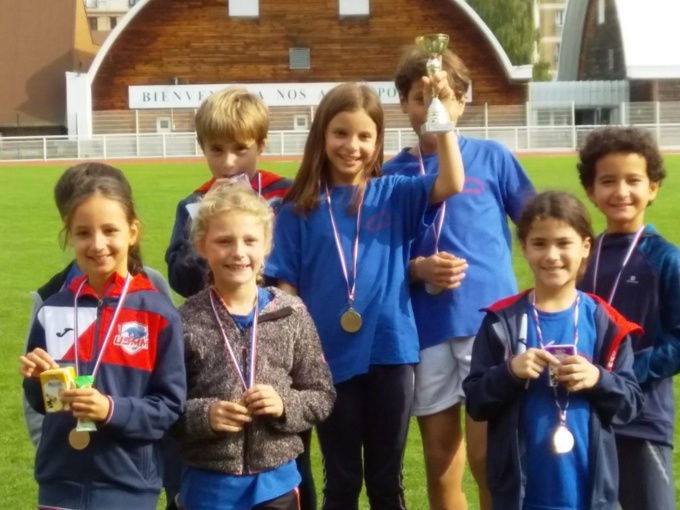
(132, 337)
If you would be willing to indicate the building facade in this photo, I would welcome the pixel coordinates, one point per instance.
(104, 15)
(549, 22)
(624, 40)
(171, 43)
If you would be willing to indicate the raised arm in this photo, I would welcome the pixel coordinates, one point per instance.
(451, 178)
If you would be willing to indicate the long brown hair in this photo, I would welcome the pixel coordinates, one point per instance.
(113, 186)
(315, 169)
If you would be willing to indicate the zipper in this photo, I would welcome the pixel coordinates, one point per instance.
(97, 329)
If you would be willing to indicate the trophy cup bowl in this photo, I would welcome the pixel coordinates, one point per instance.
(438, 120)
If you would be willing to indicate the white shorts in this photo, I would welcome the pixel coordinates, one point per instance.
(440, 375)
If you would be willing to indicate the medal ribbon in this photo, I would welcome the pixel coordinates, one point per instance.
(107, 337)
(253, 341)
(442, 211)
(351, 290)
(631, 248)
(539, 334)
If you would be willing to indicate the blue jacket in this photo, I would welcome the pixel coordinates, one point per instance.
(187, 271)
(494, 394)
(142, 372)
(648, 294)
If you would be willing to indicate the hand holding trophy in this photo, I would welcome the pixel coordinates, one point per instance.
(438, 120)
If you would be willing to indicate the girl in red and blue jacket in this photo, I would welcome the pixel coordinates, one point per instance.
(113, 325)
(552, 372)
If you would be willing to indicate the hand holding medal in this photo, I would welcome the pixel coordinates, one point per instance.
(562, 438)
(87, 405)
(441, 271)
(227, 416)
(263, 400)
(86, 402)
(576, 373)
(437, 280)
(531, 363)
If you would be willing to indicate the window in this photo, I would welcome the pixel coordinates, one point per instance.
(557, 52)
(164, 125)
(354, 8)
(244, 8)
(113, 22)
(559, 18)
(92, 21)
(600, 11)
(610, 59)
(300, 122)
(299, 58)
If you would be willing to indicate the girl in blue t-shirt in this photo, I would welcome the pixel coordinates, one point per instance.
(256, 375)
(342, 243)
(551, 372)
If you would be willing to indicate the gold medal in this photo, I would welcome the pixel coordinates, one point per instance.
(432, 290)
(351, 321)
(78, 440)
(563, 440)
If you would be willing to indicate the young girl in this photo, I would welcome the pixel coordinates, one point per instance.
(256, 374)
(113, 325)
(551, 372)
(342, 242)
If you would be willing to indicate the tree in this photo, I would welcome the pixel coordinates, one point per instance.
(512, 22)
(541, 71)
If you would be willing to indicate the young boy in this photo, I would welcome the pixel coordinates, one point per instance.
(231, 128)
(474, 228)
(638, 272)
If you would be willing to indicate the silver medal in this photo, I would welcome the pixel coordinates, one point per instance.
(563, 440)
(432, 290)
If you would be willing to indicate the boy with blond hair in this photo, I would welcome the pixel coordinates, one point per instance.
(231, 129)
(470, 239)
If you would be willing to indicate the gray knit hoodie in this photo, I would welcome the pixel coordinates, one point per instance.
(289, 358)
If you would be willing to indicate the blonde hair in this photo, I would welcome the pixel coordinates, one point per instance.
(234, 114)
(236, 198)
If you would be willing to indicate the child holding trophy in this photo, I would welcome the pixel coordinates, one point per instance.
(256, 373)
(552, 372)
(470, 239)
(342, 242)
(114, 346)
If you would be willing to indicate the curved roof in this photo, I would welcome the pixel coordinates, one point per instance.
(647, 33)
(515, 73)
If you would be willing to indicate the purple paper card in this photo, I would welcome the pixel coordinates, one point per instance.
(560, 351)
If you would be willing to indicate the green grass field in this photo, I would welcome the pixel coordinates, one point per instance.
(30, 227)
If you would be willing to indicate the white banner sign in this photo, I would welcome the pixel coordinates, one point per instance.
(274, 94)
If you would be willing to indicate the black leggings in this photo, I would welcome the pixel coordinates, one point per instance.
(289, 501)
(364, 439)
(304, 465)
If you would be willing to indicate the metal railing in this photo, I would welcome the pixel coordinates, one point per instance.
(291, 143)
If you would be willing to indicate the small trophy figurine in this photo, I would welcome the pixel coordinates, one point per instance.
(438, 120)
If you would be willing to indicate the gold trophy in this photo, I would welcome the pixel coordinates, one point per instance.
(438, 120)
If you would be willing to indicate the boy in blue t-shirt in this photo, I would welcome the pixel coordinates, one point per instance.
(637, 271)
(470, 240)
